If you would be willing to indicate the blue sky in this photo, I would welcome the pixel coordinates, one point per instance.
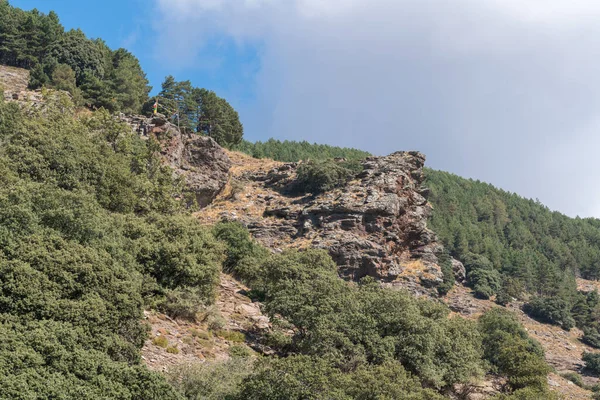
(136, 25)
(504, 91)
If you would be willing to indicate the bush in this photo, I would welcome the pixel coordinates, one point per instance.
(182, 302)
(211, 380)
(575, 378)
(528, 394)
(213, 318)
(232, 336)
(512, 352)
(482, 276)
(302, 377)
(448, 282)
(552, 310)
(244, 255)
(592, 362)
(367, 324)
(591, 337)
(161, 341)
(172, 350)
(239, 351)
(510, 289)
(321, 176)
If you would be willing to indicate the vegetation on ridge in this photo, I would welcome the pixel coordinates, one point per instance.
(514, 248)
(293, 151)
(99, 77)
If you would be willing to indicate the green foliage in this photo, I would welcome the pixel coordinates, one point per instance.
(574, 377)
(63, 78)
(217, 118)
(239, 351)
(292, 151)
(104, 78)
(364, 324)
(232, 336)
(528, 394)
(199, 110)
(244, 255)
(512, 352)
(90, 231)
(305, 377)
(161, 341)
(211, 381)
(517, 248)
(321, 176)
(592, 362)
(551, 310)
(481, 274)
(591, 336)
(510, 289)
(446, 266)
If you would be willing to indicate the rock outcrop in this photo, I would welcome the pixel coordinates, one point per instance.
(199, 160)
(376, 225)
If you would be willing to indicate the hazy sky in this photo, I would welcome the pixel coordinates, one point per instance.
(506, 91)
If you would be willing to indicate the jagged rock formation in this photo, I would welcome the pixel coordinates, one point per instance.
(374, 226)
(199, 160)
(13, 84)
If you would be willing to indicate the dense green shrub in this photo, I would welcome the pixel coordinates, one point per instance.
(510, 289)
(366, 324)
(82, 249)
(241, 251)
(528, 394)
(574, 377)
(512, 352)
(303, 377)
(592, 362)
(321, 176)
(211, 381)
(551, 310)
(481, 275)
(591, 336)
(446, 267)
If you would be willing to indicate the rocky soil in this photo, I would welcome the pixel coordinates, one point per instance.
(233, 321)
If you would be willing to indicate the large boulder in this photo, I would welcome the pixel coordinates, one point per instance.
(205, 167)
(199, 160)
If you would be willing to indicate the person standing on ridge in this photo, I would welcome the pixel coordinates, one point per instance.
(155, 107)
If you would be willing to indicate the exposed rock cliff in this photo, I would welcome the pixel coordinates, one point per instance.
(199, 160)
(375, 225)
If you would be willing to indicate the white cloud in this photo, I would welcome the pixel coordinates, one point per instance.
(502, 90)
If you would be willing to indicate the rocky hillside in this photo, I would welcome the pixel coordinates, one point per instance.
(376, 225)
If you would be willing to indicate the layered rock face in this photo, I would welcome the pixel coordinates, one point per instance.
(373, 226)
(376, 225)
(199, 160)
